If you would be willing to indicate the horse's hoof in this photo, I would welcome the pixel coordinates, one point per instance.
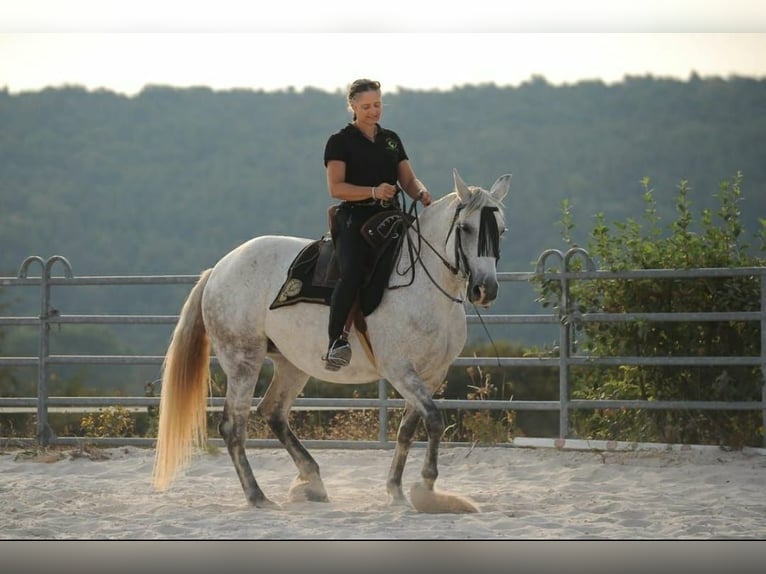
(317, 497)
(399, 502)
(264, 503)
(428, 500)
(397, 496)
(305, 491)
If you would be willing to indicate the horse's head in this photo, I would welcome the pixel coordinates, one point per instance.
(478, 223)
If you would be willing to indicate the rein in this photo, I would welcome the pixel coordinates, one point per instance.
(414, 252)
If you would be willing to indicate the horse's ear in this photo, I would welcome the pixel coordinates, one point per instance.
(460, 187)
(499, 189)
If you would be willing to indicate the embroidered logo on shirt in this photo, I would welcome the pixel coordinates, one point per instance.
(391, 144)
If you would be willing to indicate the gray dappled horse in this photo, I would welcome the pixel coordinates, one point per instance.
(413, 337)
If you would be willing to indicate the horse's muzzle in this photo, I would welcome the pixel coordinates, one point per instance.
(482, 293)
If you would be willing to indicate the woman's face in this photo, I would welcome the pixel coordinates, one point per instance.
(368, 107)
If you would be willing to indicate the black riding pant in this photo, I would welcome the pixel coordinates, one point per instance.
(355, 256)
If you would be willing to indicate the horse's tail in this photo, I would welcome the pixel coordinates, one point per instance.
(185, 379)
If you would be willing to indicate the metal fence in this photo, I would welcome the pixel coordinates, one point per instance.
(565, 274)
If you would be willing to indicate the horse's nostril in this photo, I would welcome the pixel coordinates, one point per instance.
(483, 294)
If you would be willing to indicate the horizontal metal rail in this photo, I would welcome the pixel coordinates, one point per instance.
(87, 404)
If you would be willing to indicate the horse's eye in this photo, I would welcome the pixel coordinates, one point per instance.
(464, 227)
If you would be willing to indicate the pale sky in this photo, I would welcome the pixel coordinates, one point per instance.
(323, 44)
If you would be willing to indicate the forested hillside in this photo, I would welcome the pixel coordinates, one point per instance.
(170, 180)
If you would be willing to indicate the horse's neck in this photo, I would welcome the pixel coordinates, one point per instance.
(435, 223)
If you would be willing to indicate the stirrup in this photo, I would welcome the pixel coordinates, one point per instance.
(338, 355)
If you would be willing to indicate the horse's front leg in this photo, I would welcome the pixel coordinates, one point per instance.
(422, 495)
(417, 393)
(434, 428)
(404, 438)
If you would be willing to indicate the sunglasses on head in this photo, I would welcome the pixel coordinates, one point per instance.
(363, 86)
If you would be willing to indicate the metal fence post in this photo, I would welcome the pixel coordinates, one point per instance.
(567, 333)
(44, 431)
(763, 354)
(564, 352)
(566, 324)
(564, 334)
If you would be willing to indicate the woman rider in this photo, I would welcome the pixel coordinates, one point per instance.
(364, 163)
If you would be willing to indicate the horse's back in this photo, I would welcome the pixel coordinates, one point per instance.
(266, 255)
(245, 281)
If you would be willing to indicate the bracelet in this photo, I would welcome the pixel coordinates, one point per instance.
(372, 189)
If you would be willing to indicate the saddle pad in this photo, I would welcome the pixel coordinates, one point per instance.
(311, 277)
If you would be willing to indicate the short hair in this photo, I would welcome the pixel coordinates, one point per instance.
(362, 85)
(359, 86)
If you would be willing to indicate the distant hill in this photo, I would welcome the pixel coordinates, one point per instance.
(170, 180)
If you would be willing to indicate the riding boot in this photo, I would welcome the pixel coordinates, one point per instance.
(339, 352)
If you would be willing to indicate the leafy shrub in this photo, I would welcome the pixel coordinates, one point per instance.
(109, 422)
(633, 245)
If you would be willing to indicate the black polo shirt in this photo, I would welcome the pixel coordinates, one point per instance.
(367, 163)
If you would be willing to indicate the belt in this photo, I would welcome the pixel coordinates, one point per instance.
(371, 202)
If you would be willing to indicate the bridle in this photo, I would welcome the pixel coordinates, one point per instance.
(489, 236)
(488, 245)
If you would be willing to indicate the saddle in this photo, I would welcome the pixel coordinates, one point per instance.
(314, 271)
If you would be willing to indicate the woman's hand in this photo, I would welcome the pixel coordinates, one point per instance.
(385, 191)
(425, 197)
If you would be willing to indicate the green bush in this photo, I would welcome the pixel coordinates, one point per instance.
(716, 242)
(108, 422)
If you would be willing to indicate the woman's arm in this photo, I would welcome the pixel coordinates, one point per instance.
(411, 184)
(339, 189)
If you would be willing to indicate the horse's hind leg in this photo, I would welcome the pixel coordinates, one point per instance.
(241, 380)
(286, 385)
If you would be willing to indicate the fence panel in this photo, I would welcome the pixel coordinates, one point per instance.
(42, 404)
